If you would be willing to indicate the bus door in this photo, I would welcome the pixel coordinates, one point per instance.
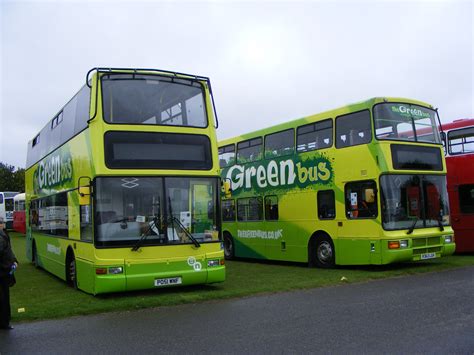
(361, 211)
(201, 217)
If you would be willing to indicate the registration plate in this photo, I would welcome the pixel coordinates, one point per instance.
(168, 281)
(428, 256)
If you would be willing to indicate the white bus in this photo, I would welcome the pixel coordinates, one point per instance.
(6, 207)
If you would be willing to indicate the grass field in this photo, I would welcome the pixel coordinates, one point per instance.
(44, 296)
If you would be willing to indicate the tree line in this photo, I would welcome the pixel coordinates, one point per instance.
(11, 178)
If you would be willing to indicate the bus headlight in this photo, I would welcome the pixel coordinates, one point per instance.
(448, 239)
(211, 263)
(116, 270)
(403, 244)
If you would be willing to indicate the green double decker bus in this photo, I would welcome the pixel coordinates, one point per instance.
(122, 184)
(362, 184)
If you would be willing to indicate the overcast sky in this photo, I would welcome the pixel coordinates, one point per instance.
(269, 62)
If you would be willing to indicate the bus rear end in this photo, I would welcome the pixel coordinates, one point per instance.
(7, 207)
(19, 222)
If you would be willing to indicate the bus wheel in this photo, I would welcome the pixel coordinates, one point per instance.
(228, 246)
(71, 273)
(322, 253)
(35, 256)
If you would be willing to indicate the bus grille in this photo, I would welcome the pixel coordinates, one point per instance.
(423, 242)
(426, 250)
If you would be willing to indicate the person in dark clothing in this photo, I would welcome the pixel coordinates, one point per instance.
(7, 262)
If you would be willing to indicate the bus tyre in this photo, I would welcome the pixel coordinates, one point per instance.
(323, 253)
(228, 247)
(71, 276)
(35, 256)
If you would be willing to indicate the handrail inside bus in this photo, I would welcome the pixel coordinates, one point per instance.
(159, 71)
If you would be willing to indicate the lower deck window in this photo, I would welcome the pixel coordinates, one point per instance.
(361, 201)
(466, 198)
(249, 209)
(271, 208)
(326, 205)
(49, 215)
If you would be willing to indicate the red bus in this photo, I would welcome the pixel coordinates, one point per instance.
(458, 140)
(19, 222)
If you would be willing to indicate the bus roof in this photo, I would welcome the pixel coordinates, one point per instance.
(321, 116)
(19, 197)
(9, 194)
(461, 123)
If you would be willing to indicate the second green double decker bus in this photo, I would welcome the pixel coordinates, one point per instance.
(122, 184)
(362, 184)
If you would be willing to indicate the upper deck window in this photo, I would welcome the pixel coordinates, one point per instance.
(461, 141)
(226, 156)
(405, 122)
(279, 144)
(353, 129)
(152, 100)
(314, 136)
(249, 151)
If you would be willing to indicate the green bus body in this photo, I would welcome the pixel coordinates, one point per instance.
(299, 190)
(116, 200)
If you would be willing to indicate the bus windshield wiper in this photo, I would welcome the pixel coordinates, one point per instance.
(440, 222)
(181, 225)
(185, 230)
(151, 226)
(412, 228)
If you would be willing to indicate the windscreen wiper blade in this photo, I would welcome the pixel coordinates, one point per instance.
(185, 230)
(145, 234)
(440, 222)
(412, 228)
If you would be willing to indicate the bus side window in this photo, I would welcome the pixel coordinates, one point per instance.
(271, 208)
(466, 198)
(228, 210)
(249, 209)
(279, 144)
(353, 129)
(250, 150)
(326, 204)
(226, 156)
(314, 136)
(361, 199)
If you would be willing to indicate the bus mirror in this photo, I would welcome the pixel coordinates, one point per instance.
(227, 189)
(84, 195)
(369, 195)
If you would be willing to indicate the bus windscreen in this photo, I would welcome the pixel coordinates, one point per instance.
(152, 100)
(405, 122)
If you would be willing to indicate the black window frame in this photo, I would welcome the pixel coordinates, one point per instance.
(125, 136)
(347, 200)
(224, 150)
(336, 135)
(234, 210)
(333, 206)
(454, 131)
(315, 130)
(292, 130)
(249, 141)
(413, 148)
(260, 210)
(464, 207)
(180, 81)
(267, 212)
(52, 197)
(412, 124)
